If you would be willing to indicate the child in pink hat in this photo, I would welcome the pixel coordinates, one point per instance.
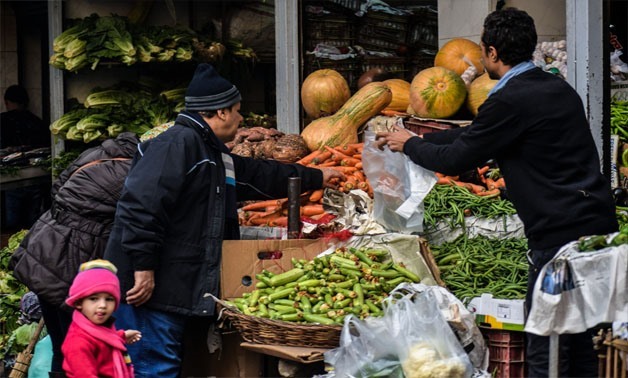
(93, 347)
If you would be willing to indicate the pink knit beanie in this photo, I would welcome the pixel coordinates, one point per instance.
(96, 276)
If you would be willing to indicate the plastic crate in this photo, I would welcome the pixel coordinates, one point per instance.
(506, 353)
(423, 29)
(382, 32)
(391, 64)
(333, 31)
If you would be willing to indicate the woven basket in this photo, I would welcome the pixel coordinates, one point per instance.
(275, 332)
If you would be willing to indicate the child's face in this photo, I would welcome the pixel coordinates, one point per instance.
(97, 307)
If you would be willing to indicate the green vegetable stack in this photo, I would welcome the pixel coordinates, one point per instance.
(325, 290)
(13, 337)
(471, 267)
(596, 242)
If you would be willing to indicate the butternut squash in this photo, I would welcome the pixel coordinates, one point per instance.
(342, 127)
(400, 94)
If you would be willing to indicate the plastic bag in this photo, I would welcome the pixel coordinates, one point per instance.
(399, 187)
(460, 320)
(42, 359)
(412, 332)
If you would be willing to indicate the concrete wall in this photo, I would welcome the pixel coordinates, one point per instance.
(464, 18)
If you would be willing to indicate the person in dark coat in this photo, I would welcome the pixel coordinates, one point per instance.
(73, 231)
(534, 125)
(178, 205)
(21, 130)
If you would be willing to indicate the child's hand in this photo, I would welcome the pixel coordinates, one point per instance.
(132, 336)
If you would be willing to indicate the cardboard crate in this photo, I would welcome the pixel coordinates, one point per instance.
(506, 353)
(506, 314)
(243, 259)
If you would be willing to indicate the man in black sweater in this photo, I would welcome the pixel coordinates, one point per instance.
(534, 125)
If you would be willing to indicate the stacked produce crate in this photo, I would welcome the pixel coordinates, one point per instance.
(332, 26)
(422, 39)
(507, 353)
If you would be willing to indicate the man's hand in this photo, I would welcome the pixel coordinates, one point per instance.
(331, 177)
(141, 292)
(394, 140)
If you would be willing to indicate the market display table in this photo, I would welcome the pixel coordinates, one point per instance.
(26, 176)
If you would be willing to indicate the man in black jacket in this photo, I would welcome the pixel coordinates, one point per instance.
(533, 124)
(178, 205)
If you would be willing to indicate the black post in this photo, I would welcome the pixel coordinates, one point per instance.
(294, 207)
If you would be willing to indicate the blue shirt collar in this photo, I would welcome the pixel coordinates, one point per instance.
(516, 70)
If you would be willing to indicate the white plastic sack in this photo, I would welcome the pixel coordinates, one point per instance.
(578, 290)
(399, 187)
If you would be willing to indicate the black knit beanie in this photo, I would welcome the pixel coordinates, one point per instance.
(209, 91)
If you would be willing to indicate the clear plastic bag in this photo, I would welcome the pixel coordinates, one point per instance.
(412, 332)
(399, 187)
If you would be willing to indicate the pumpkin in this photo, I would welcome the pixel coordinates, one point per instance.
(323, 92)
(458, 54)
(342, 127)
(437, 92)
(478, 92)
(400, 94)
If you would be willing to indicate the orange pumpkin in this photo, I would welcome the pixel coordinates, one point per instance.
(323, 92)
(400, 94)
(478, 92)
(458, 54)
(437, 92)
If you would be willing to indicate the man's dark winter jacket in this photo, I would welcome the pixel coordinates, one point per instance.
(77, 226)
(176, 209)
(536, 129)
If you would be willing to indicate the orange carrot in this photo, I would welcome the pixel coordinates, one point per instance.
(328, 163)
(357, 156)
(358, 165)
(490, 193)
(500, 183)
(482, 171)
(307, 159)
(316, 195)
(260, 205)
(490, 183)
(310, 210)
(344, 169)
(349, 162)
(392, 113)
(322, 157)
(359, 175)
(347, 149)
(335, 154)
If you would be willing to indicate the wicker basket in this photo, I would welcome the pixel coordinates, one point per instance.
(275, 332)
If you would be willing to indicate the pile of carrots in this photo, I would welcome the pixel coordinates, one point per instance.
(346, 159)
(490, 182)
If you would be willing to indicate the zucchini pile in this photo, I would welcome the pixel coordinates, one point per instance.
(326, 289)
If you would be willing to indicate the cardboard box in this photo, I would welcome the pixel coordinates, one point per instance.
(619, 90)
(508, 314)
(243, 259)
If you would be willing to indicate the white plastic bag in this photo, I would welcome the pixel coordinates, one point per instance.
(578, 290)
(412, 333)
(399, 187)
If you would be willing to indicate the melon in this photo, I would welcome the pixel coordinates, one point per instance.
(458, 54)
(478, 92)
(323, 92)
(437, 92)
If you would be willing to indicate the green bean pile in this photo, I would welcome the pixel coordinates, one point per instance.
(471, 267)
(452, 203)
(326, 289)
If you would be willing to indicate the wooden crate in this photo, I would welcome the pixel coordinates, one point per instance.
(612, 358)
